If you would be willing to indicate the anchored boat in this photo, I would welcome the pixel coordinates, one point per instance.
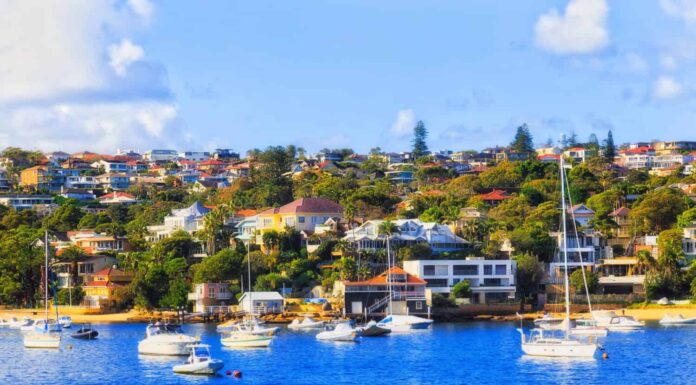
(199, 361)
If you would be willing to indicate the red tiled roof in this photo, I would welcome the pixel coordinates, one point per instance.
(246, 213)
(211, 162)
(307, 205)
(116, 194)
(548, 156)
(620, 212)
(576, 149)
(382, 279)
(107, 271)
(495, 195)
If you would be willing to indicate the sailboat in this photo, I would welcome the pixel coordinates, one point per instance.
(399, 322)
(542, 342)
(246, 335)
(45, 336)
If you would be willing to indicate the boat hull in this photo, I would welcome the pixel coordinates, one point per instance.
(209, 367)
(165, 348)
(559, 349)
(339, 337)
(253, 341)
(39, 341)
(374, 331)
(87, 335)
(593, 332)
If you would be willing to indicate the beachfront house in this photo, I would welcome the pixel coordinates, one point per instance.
(491, 281)
(264, 302)
(372, 296)
(209, 297)
(87, 265)
(100, 288)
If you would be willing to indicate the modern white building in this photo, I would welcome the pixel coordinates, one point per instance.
(21, 201)
(264, 302)
(160, 155)
(189, 219)
(584, 250)
(412, 231)
(195, 156)
(490, 280)
(690, 242)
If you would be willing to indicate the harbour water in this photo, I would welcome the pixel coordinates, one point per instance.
(467, 353)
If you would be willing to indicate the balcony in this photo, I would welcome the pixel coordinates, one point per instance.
(215, 296)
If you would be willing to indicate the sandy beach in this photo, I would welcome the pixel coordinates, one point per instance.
(77, 317)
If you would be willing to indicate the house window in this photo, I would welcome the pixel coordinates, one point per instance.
(211, 292)
(290, 221)
(314, 220)
(465, 269)
(419, 305)
(437, 283)
(500, 270)
(429, 270)
(487, 269)
(301, 219)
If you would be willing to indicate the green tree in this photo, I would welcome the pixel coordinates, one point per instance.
(609, 148)
(578, 282)
(523, 140)
(461, 290)
(65, 218)
(223, 266)
(420, 135)
(528, 276)
(658, 210)
(687, 218)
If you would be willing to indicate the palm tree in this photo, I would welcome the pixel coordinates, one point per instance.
(389, 229)
(214, 227)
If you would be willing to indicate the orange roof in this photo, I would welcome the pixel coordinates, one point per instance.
(211, 162)
(382, 278)
(576, 149)
(116, 194)
(495, 195)
(246, 213)
(107, 271)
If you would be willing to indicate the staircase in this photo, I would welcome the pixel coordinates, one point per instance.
(371, 309)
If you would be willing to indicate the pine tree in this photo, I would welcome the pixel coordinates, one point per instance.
(573, 140)
(609, 148)
(523, 140)
(420, 134)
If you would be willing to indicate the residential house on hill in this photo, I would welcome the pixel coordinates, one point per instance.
(189, 219)
(372, 296)
(100, 287)
(118, 198)
(582, 214)
(302, 214)
(412, 231)
(494, 197)
(209, 297)
(622, 234)
(87, 265)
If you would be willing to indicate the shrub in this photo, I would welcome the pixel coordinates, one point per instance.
(461, 290)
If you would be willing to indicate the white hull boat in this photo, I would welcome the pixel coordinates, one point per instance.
(550, 323)
(165, 340)
(342, 332)
(588, 327)
(404, 323)
(307, 323)
(557, 347)
(4, 323)
(613, 322)
(65, 322)
(199, 362)
(15, 323)
(28, 327)
(246, 340)
(669, 320)
(252, 326)
(42, 340)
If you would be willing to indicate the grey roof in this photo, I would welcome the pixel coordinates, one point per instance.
(195, 210)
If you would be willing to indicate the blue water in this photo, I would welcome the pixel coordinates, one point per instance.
(469, 353)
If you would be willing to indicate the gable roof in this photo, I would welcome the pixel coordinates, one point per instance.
(620, 212)
(195, 210)
(307, 205)
(496, 195)
(263, 296)
(382, 278)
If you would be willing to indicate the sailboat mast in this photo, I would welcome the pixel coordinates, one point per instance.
(46, 274)
(389, 280)
(565, 248)
(251, 301)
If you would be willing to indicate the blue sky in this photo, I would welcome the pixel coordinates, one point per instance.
(138, 74)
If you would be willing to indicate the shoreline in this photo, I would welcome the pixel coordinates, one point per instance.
(650, 313)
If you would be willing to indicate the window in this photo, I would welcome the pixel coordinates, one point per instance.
(419, 305)
(500, 270)
(314, 220)
(290, 221)
(465, 269)
(211, 292)
(429, 270)
(441, 270)
(437, 283)
(301, 219)
(455, 281)
(487, 269)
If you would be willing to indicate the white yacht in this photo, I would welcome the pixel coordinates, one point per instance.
(65, 321)
(548, 343)
(16, 323)
(614, 322)
(238, 337)
(669, 320)
(44, 337)
(251, 325)
(548, 322)
(588, 327)
(28, 326)
(165, 340)
(199, 361)
(342, 332)
(404, 323)
(50, 325)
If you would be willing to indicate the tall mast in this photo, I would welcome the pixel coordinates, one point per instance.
(251, 301)
(565, 249)
(46, 273)
(389, 280)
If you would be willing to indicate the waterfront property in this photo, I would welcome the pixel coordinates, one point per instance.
(264, 302)
(372, 296)
(303, 214)
(490, 280)
(87, 265)
(100, 287)
(209, 297)
(622, 275)
(412, 231)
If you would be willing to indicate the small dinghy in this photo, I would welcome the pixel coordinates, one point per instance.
(85, 332)
(373, 330)
(677, 320)
(65, 321)
(342, 332)
(199, 361)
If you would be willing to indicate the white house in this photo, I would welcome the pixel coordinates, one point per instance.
(194, 155)
(160, 155)
(189, 219)
(264, 302)
(582, 214)
(585, 249)
(490, 280)
(412, 231)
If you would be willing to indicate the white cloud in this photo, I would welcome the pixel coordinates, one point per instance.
(666, 87)
(123, 55)
(683, 9)
(142, 8)
(96, 127)
(581, 29)
(668, 62)
(403, 125)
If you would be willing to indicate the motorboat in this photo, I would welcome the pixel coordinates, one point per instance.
(371, 329)
(199, 361)
(404, 323)
(65, 321)
(30, 325)
(49, 325)
(15, 323)
(85, 332)
(307, 323)
(669, 320)
(614, 322)
(165, 340)
(548, 322)
(341, 332)
(238, 337)
(588, 327)
(541, 344)
(4, 323)
(250, 325)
